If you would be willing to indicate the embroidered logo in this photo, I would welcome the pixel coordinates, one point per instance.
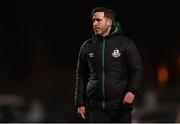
(116, 53)
(91, 54)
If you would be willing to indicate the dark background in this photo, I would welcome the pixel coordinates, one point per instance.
(39, 44)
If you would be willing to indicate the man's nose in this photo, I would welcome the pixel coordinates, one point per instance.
(95, 23)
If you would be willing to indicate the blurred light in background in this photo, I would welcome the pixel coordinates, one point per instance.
(179, 62)
(163, 75)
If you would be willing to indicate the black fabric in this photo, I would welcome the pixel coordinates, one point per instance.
(122, 73)
(116, 116)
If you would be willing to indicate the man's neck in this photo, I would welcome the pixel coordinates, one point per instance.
(107, 32)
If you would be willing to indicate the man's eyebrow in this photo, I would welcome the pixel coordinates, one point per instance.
(98, 19)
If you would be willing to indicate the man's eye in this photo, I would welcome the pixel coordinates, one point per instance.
(96, 20)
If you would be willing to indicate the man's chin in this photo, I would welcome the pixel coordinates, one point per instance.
(98, 33)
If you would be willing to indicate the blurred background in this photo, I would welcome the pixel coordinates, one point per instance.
(39, 45)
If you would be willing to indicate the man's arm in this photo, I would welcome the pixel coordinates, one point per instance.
(135, 69)
(81, 79)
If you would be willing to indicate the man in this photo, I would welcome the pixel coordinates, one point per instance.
(109, 72)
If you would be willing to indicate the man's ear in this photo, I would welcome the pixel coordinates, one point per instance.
(110, 22)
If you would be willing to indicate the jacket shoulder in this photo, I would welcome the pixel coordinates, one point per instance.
(85, 43)
(125, 38)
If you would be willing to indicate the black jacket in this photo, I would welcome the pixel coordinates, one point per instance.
(107, 68)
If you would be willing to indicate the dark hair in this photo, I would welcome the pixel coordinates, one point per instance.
(108, 13)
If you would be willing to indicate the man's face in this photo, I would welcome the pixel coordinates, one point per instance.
(101, 25)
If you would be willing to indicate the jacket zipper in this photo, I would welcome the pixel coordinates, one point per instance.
(103, 74)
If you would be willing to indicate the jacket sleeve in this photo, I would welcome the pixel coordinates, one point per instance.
(135, 67)
(81, 78)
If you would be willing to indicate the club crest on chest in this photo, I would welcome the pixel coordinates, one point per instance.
(116, 53)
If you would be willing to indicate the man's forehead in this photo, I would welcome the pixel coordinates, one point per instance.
(98, 14)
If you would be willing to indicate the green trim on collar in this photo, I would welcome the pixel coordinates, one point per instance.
(116, 27)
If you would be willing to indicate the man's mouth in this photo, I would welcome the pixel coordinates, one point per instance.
(97, 29)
